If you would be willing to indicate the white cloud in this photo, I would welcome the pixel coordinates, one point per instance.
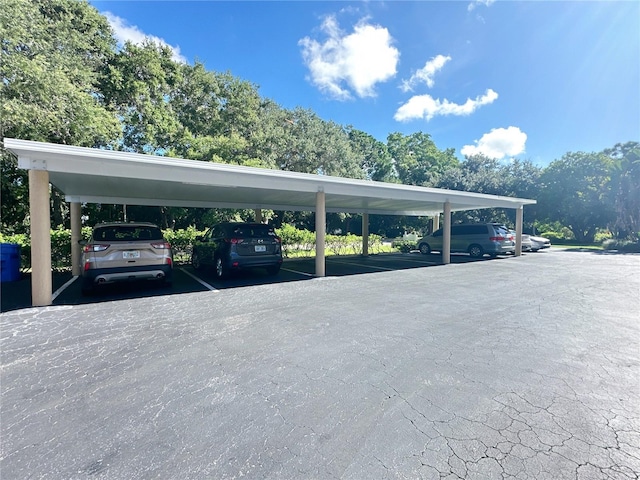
(426, 73)
(131, 33)
(354, 62)
(425, 106)
(498, 143)
(476, 3)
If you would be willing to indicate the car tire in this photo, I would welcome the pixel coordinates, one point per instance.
(424, 248)
(476, 251)
(196, 262)
(273, 269)
(221, 268)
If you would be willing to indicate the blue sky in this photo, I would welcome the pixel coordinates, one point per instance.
(510, 79)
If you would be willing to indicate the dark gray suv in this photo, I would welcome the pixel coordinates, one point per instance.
(476, 239)
(234, 246)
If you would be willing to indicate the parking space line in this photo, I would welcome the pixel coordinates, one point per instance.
(199, 280)
(416, 260)
(373, 267)
(296, 271)
(63, 287)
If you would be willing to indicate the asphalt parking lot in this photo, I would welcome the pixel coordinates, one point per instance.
(522, 367)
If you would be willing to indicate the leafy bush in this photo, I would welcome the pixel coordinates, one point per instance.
(60, 247)
(602, 235)
(405, 246)
(182, 242)
(626, 246)
(295, 240)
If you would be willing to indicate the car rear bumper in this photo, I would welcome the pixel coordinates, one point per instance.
(240, 262)
(100, 276)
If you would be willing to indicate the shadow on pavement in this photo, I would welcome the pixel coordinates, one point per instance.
(17, 294)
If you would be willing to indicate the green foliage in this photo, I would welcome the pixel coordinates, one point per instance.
(296, 240)
(52, 53)
(626, 246)
(576, 192)
(182, 242)
(60, 247)
(625, 188)
(404, 246)
(417, 159)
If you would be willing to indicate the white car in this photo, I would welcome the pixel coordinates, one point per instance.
(539, 243)
(527, 245)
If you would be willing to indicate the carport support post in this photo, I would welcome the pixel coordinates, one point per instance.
(365, 234)
(76, 235)
(436, 223)
(321, 226)
(39, 211)
(446, 234)
(519, 216)
(257, 215)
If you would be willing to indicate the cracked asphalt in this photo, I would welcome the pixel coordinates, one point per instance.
(523, 368)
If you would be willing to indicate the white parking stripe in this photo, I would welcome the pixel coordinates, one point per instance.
(199, 280)
(416, 260)
(62, 288)
(299, 273)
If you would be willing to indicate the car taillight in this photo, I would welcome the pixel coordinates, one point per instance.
(167, 261)
(497, 239)
(95, 247)
(233, 240)
(277, 240)
(161, 245)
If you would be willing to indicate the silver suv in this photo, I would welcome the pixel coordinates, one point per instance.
(476, 239)
(122, 252)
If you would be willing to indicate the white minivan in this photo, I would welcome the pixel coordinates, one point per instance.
(476, 239)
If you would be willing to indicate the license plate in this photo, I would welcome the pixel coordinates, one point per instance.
(261, 248)
(131, 254)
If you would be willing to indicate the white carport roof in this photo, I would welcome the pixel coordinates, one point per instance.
(106, 176)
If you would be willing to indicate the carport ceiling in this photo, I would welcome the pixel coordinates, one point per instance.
(106, 176)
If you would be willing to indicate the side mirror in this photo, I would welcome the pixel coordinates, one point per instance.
(82, 242)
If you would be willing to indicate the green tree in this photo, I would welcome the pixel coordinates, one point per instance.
(374, 157)
(138, 84)
(625, 188)
(417, 159)
(575, 191)
(53, 52)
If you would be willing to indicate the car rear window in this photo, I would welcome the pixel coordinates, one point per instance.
(254, 231)
(126, 233)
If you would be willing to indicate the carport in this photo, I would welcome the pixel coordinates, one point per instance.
(88, 175)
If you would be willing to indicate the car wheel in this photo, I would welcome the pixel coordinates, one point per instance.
(273, 269)
(476, 251)
(424, 248)
(221, 269)
(196, 261)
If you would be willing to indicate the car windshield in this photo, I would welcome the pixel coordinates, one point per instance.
(125, 233)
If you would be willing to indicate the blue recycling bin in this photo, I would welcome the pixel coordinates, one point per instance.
(9, 262)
